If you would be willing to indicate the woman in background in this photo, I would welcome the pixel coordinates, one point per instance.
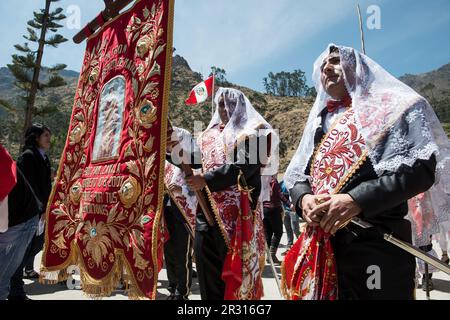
(36, 168)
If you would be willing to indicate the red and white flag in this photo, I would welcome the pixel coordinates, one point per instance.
(201, 92)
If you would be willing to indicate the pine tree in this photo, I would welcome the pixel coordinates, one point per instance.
(27, 65)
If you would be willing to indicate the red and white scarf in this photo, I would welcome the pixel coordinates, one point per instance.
(309, 268)
(241, 228)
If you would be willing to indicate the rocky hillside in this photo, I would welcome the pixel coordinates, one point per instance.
(439, 80)
(287, 114)
(62, 98)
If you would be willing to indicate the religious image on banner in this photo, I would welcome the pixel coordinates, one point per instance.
(104, 213)
(109, 125)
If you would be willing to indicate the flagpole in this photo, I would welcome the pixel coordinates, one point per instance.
(212, 94)
(361, 30)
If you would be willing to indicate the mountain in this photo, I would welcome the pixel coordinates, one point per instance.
(440, 80)
(435, 86)
(62, 95)
(6, 80)
(287, 114)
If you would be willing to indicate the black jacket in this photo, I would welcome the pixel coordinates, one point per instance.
(171, 212)
(22, 203)
(384, 204)
(38, 173)
(383, 200)
(227, 175)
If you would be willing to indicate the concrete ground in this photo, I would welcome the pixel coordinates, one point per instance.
(37, 291)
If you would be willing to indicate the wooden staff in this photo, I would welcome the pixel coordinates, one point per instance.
(112, 10)
(363, 48)
(187, 170)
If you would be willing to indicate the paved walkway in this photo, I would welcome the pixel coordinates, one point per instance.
(38, 291)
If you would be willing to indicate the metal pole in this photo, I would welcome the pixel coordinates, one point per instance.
(361, 30)
(427, 281)
(274, 271)
(212, 94)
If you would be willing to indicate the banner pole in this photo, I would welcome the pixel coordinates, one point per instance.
(361, 30)
(212, 93)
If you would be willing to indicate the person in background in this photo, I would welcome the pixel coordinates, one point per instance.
(23, 210)
(179, 214)
(291, 223)
(443, 238)
(35, 166)
(273, 218)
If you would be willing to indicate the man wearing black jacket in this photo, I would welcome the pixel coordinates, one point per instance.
(210, 246)
(218, 182)
(178, 251)
(368, 267)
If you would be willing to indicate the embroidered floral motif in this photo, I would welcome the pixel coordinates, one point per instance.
(342, 148)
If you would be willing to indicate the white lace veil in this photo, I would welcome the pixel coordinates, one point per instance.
(398, 125)
(187, 143)
(185, 138)
(244, 120)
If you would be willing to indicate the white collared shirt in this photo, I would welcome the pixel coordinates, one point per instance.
(330, 118)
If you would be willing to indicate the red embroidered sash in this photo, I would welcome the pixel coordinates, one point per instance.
(187, 204)
(241, 228)
(309, 268)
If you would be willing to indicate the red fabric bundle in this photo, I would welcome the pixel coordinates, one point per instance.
(309, 268)
(242, 280)
(7, 173)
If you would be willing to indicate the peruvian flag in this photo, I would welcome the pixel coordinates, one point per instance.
(201, 92)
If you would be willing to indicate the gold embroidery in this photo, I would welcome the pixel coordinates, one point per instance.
(77, 133)
(147, 114)
(129, 192)
(144, 44)
(93, 76)
(75, 193)
(85, 103)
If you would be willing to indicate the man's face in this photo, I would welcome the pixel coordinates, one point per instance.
(223, 112)
(332, 76)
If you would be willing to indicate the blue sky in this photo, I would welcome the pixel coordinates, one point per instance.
(249, 38)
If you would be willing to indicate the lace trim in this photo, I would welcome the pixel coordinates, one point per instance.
(393, 164)
(413, 115)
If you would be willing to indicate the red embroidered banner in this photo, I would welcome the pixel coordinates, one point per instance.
(104, 211)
